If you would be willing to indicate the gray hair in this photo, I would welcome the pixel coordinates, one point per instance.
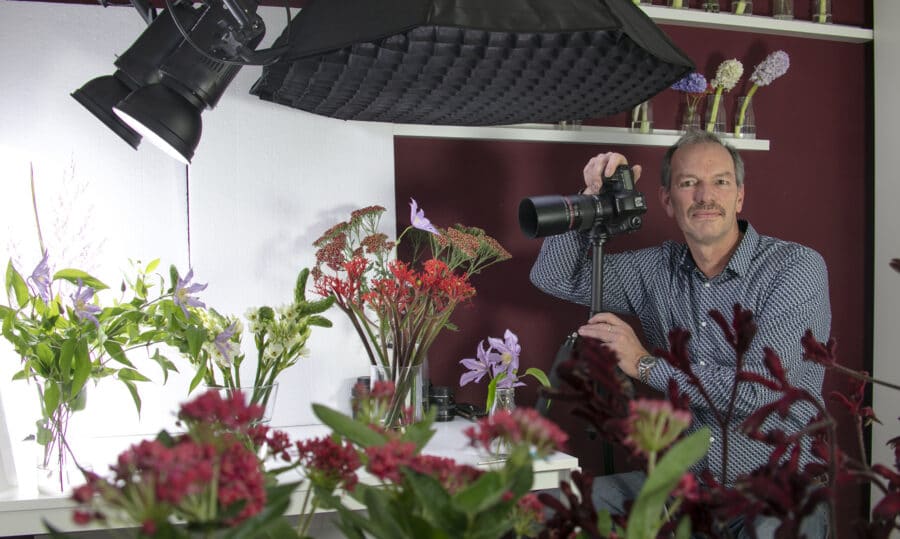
(697, 136)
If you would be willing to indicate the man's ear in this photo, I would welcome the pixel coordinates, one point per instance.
(666, 201)
(740, 200)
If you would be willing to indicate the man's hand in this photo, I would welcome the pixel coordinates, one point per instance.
(603, 166)
(619, 337)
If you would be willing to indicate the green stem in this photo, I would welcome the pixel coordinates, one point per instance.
(739, 9)
(823, 12)
(305, 519)
(743, 111)
(710, 124)
(676, 4)
(37, 220)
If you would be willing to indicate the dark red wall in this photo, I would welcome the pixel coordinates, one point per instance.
(812, 187)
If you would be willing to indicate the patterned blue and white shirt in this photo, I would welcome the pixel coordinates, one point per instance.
(785, 285)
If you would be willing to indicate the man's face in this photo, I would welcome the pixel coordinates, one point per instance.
(704, 197)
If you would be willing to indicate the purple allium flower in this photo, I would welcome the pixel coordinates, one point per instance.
(418, 219)
(692, 83)
(183, 290)
(479, 366)
(508, 351)
(81, 304)
(40, 278)
(775, 65)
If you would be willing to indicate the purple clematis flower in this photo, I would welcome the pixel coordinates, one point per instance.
(40, 278)
(81, 304)
(478, 366)
(508, 351)
(183, 290)
(418, 219)
(224, 346)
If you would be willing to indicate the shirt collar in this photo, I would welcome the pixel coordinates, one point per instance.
(739, 263)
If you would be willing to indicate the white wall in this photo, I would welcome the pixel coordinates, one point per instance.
(887, 223)
(265, 181)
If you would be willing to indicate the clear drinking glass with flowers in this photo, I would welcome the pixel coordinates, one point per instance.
(65, 336)
(773, 66)
(398, 308)
(727, 76)
(694, 87)
(499, 360)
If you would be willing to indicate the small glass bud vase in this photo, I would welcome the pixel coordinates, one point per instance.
(711, 6)
(677, 4)
(821, 11)
(715, 114)
(744, 121)
(504, 401)
(690, 120)
(783, 9)
(742, 7)
(642, 118)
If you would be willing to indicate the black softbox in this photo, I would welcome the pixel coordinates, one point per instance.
(470, 62)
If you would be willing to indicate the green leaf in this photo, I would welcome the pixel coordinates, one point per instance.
(419, 433)
(438, 507)
(135, 397)
(51, 398)
(151, 267)
(15, 286)
(684, 528)
(115, 351)
(195, 336)
(355, 431)
(484, 492)
(66, 354)
(81, 366)
(300, 287)
(539, 374)
(131, 374)
(195, 381)
(319, 321)
(647, 513)
(75, 275)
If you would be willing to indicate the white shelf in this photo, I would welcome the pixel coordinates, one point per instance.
(760, 24)
(587, 134)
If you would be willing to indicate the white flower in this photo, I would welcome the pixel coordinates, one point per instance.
(728, 74)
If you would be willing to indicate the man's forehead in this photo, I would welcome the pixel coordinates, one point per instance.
(705, 158)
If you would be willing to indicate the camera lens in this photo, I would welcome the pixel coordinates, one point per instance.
(441, 399)
(549, 215)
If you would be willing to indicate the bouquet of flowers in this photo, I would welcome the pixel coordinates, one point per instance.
(398, 308)
(499, 359)
(210, 477)
(65, 337)
(694, 87)
(775, 65)
(280, 335)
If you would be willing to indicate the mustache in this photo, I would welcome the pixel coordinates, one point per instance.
(706, 207)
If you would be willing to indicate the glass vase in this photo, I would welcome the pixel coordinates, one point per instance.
(821, 11)
(744, 120)
(642, 118)
(690, 119)
(742, 7)
(504, 401)
(407, 404)
(715, 113)
(677, 4)
(711, 6)
(54, 473)
(783, 9)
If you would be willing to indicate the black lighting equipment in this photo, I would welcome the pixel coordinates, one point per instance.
(470, 62)
(180, 65)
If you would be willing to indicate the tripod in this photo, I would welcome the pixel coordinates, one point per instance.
(599, 236)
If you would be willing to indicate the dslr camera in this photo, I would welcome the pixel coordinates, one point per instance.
(617, 208)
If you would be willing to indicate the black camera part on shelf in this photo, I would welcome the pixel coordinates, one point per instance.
(616, 209)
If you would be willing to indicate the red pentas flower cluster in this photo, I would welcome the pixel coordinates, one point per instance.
(521, 426)
(386, 461)
(176, 477)
(328, 463)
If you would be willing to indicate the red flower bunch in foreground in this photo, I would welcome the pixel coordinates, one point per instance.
(176, 478)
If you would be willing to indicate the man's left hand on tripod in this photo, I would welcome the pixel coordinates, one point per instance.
(618, 336)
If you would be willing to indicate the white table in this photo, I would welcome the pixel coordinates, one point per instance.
(23, 509)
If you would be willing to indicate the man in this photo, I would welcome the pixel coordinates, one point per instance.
(723, 261)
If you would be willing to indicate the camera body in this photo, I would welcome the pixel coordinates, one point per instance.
(616, 209)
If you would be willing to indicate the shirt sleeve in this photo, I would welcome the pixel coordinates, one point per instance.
(797, 300)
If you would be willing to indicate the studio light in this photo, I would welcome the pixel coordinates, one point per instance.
(179, 66)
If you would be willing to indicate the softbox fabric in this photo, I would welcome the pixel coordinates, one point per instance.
(470, 62)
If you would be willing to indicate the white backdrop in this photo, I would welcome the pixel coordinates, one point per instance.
(265, 182)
